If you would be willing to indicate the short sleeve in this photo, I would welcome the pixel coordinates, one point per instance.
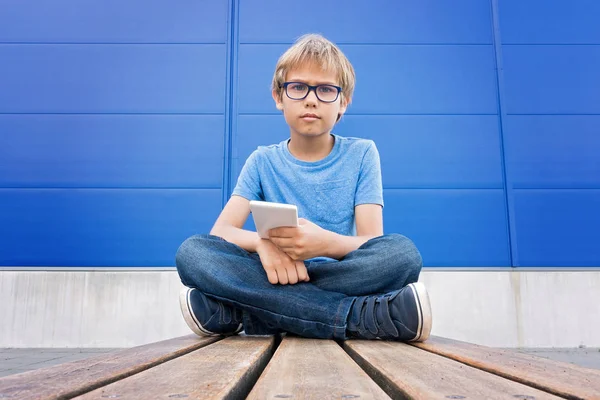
(248, 183)
(369, 189)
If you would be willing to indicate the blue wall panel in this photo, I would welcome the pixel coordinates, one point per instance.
(111, 151)
(551, 59)
(114, 21)
(549, 22)
(553, 151)
(357, 21)
(432, 151)
(451, 227)
(424, 79)
(552, 79)
(558, 228)
(112, 78)
(98, 166)
(101, 227)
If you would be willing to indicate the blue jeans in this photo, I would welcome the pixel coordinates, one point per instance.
(315, 309)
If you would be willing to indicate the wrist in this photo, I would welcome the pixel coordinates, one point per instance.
(331, 244)
(258, 243)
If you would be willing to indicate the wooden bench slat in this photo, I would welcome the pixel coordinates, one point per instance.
(71, 379)
(314, 369)
(224, 370)
(406, 371)
(560, 378)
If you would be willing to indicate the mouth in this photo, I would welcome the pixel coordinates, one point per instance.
(309, 116)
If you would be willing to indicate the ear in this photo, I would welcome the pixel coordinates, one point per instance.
(344, 102)
(277, 98)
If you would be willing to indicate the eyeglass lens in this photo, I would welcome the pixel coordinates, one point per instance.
(298, 91)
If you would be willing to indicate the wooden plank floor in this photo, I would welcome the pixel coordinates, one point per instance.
(68, 380)
(273, 368)
(224, 370)
(407, 372)
(562, 379)
(314, 369)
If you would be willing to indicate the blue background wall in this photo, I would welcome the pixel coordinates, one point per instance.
(123, 125)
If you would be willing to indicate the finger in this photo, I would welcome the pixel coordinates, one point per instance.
(272, 276)
(302, 271)
(283, 242)
(292, 274)
(275, 232)
(282, 232)
(282, 275)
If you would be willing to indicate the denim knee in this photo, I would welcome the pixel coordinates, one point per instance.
(187, 252)
(404, 255)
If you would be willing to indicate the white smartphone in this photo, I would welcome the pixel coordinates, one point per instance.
(269, 215)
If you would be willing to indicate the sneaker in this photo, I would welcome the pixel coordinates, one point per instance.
(208, 317)
(401, 315)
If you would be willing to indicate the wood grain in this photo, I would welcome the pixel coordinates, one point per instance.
(314, 369)
(408, 372)
(560, 378)
(67, 380)
(224, 370)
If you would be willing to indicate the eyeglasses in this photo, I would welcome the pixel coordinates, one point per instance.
(299, 91)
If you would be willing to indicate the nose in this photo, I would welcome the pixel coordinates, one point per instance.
(311, 97)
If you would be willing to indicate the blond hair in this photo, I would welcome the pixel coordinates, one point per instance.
(314, 48)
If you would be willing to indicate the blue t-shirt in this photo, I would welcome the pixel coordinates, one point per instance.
(325, 191)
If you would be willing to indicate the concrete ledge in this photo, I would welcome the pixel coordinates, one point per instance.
(123, 308)
(517, 309)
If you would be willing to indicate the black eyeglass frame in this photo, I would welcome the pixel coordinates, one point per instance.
(313, 88)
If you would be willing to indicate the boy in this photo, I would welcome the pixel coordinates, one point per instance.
(335, 275)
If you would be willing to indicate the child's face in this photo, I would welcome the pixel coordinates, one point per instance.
(310, 117)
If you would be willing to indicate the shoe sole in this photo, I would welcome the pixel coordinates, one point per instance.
(424, 310)
(190, 318)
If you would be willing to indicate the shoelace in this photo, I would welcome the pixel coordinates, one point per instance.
(372, 314)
